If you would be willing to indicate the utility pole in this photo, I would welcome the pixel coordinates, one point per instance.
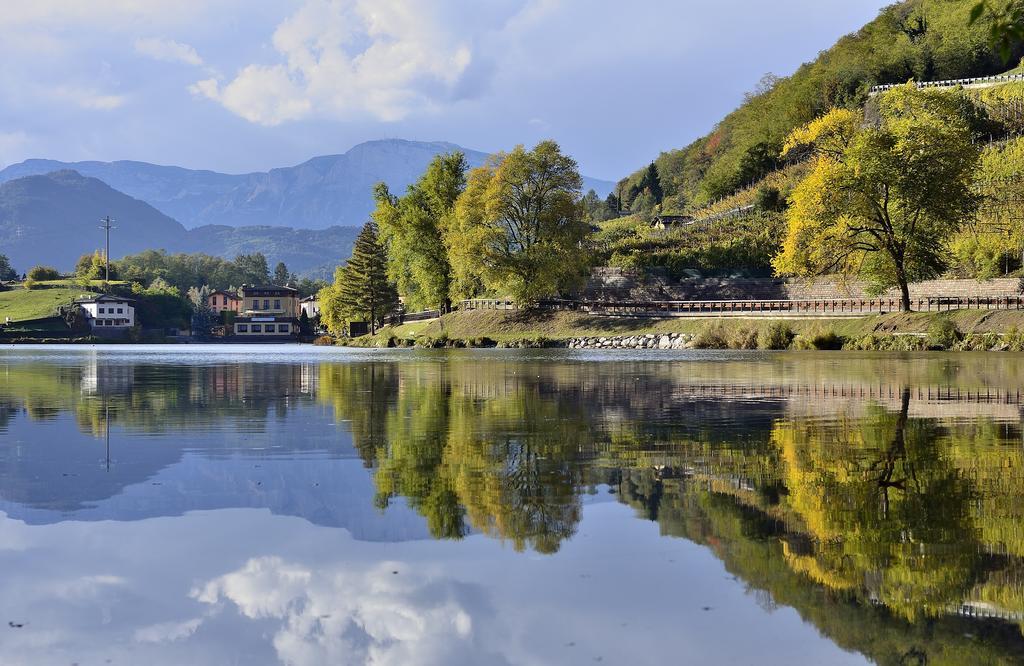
(106, 226)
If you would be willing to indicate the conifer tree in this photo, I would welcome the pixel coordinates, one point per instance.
(361, 288)
(282, 275)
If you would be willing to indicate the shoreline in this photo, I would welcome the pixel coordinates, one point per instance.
(959, 330)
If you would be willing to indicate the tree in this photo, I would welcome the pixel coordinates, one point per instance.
(1005, 24)
(76, 318)
(519, 226)
(881, 201)
(652, 183)
(612, 204)
(281, 274)
(253, 268)
(310, 287)
(361, 289)
(6, 272)
(38, 273)
(413, 228)
(93, 266)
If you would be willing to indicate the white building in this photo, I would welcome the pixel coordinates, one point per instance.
(311, 306)
(109, 313)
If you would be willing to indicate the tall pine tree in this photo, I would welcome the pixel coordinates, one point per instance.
(361, 289)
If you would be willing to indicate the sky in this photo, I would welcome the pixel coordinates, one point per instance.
(247, 85)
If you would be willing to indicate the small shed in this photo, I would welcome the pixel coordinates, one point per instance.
(663, 222)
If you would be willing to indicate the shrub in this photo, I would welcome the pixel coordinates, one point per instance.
(776, 336)
(942, 334)
(29, 284)
(39, 273)
(827, 340)
(978, 342)
(712, 336)
(324, 341)
(743, 337)
(1014, 340)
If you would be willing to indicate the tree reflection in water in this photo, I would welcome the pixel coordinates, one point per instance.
(889, 516)
(872, 522)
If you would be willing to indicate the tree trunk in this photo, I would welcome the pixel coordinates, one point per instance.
(904, 295)
(904, 285)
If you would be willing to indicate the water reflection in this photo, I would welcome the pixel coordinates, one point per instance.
(879, 497)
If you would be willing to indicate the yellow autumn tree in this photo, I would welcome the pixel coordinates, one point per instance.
(882, 200)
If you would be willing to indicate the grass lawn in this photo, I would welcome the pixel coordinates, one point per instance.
(20, 304)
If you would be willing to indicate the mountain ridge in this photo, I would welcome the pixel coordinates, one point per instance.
(54, 218)
(321, 192)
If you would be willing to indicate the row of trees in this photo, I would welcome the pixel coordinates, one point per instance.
(515, 226)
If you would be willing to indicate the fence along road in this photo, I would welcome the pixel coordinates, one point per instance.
(853, 307)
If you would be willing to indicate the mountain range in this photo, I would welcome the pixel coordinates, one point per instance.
(325, 191)
(54, 218)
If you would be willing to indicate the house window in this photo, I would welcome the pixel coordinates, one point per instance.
(99, 322)
(266, 303)
(277, 303)
(283, 328)
(101, 310)
(257, 328)
(120, 311)
(255, 304)
(243, 328)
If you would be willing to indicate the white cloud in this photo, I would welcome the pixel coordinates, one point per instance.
(381, 59)
(88, 98)
(349, 616)
(166, 632)
(167, 50)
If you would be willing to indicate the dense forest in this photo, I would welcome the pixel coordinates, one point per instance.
(923, 40)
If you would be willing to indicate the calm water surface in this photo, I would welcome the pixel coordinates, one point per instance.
(266, 505)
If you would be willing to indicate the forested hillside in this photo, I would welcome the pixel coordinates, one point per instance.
(914, 39)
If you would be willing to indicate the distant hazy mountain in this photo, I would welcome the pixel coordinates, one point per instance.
(54, 218)
(319, 193)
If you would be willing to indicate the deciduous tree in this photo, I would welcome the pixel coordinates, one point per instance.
(413, 229)
(881, 201)
(519, 227)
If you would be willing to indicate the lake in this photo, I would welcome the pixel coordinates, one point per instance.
(304, 505)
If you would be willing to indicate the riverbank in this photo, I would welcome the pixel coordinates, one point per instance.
(957, 330)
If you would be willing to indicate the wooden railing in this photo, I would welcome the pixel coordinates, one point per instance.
(840, 306)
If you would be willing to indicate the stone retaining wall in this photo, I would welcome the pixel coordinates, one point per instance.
(615, 284)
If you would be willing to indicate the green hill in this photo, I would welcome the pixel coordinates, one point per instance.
(914, 39)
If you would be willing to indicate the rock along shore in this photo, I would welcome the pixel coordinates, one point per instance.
(647, 341)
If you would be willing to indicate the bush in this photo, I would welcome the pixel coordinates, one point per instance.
(30, 284)
(743, 337)
(1014, 340)
(776, 336)
(712, 336)
(324, 341)
(827, 340)
(942, 334)
(979, 342)
(40, 273)
(875, 342)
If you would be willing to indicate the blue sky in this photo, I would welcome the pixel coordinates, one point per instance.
(244, 85)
